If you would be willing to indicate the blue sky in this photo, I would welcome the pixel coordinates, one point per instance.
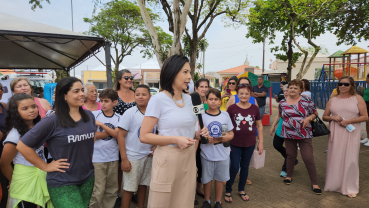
(228, 47)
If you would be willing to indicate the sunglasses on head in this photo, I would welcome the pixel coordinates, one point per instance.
(232, 83)
(345, 84)
(127, 77)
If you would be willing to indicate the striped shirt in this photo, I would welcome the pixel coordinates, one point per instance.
(292, 115)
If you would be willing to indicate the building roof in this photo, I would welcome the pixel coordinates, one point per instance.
(337, 54)
(355, 50)
(236, 70)
(151, 64)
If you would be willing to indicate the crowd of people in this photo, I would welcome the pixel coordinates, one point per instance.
(83, 153)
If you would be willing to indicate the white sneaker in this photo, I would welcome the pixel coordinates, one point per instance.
(364, 141)
(367, 144)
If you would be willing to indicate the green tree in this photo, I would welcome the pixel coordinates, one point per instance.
(166, 42)
(202, 45)
(294, 18)
(323, 50)
(267, 18)
(120, 22)
(196, 76)
(202, 15)
(350, 22)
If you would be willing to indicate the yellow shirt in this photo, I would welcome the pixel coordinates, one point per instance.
(335, 91)
(223, 106)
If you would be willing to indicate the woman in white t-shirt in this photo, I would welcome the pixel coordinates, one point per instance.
(173, 177)
(306, 88)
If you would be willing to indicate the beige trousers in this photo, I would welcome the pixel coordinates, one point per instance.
(173, 178)
(105, 189)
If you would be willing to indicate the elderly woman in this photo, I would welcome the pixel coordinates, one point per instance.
(123, 86)
(347, 108)
(297, 112)
(23, 85)
(91, 97)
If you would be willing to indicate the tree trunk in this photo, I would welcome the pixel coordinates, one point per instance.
(193, 54)
(150, 27)
(289, 57)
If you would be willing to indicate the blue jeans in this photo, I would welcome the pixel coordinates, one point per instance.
(240, 157)
(262, 110)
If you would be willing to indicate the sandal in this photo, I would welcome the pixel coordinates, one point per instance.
(317, 191)
(352, 195)
(287, 181)
(245, 195)
(229, 198)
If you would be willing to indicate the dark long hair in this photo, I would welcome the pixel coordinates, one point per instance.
(232, 78)
(171, 67)
(306, 84)
(61, 106)
(14, 119)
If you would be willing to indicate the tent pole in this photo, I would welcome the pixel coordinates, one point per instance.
(108, 65)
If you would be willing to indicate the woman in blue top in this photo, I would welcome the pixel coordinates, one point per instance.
(234, 98)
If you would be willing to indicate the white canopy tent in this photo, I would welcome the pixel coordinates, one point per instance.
(30, 45)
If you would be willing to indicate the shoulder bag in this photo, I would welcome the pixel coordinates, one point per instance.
(319, 128)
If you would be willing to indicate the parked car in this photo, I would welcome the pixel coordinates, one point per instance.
(154, 91)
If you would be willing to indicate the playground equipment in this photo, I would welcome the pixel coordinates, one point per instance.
(348, 66)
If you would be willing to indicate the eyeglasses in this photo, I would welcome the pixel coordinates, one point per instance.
(243, 85)
(127, 77)
(1, 88)
(345, 84)
(232, 83)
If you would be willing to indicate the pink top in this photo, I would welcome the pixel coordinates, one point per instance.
(98, 108)
(41, 111)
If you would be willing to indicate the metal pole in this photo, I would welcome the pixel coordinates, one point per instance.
(71, 6)
(262, 70)
(109, 78)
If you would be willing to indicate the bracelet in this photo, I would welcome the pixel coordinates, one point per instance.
(42, 167)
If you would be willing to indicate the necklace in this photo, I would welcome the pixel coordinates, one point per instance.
(179, 105)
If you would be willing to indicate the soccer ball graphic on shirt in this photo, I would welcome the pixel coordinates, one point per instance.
(110, 126)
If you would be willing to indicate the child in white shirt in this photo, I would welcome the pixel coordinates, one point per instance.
(136, 156)
(106, 152)
(214, 156)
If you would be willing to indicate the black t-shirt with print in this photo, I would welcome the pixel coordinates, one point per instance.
(75, 144)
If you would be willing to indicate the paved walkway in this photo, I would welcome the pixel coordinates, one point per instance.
(268, 189)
